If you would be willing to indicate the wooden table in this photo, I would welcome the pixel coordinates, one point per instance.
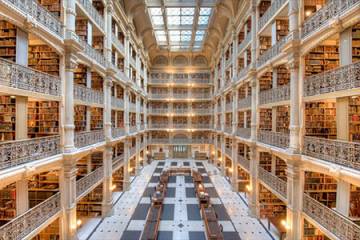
(204, 199)
(212, 227)
(197, 177)
(157, 198)
(151, 227)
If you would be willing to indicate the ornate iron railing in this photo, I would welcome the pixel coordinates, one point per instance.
(88, 95)
(242, 73)
(180, 125)
(83, 139)
(24, 78)
(270, 53)
(335, 151)
(117, 102)
(93, 53)
(41, 14)
(228, 107)
(339, 79)
(132, 151)
(159, 125)
(243, 132)
(206, 111)
(117, 43)
(228, 151)
(200, 95)
(21, 226)
(117, 132)
(132, 129)
(228, 129)
(244, 103)
(159, 110)
(270, 12)
(332, 9)
(93, 13)
(132, 107)
(276, 183)
(244, 162)
(281, 93)
(117, 161)
(245, 42)
(14, 153)
(277, 139)
(85, 183)
(337, 224)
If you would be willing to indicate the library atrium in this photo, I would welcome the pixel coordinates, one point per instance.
(180, 119)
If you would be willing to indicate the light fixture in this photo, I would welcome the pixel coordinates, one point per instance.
(308, 13)
(248, 187)
(78, 222)
(113, 187)
(285, 224)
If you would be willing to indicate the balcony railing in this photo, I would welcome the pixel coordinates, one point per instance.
(14, 153)
(335, 151)
(229, 107)
(83, 139)
(339, 79)
(159, 125)
(117, 161)
(159, 95)
(242, 73)
(93, 13)
(132, 61)
(342, 227)
(142, 127)
(117, 102)
(200, 80)
(243, 132)
(245, 42)
(159, 110)
(228, 129)
(180, 125)
(277, 139)
(276, 183)
(244, 103)
(90, 180)
(180, 141)
(117, 43)
(117, 132)
(271, 52)
(244, 162)
(132, 107)
(200, 95)
(132, 129)
(92, 53)
(228, 151)
(21, 226)
(181, 110)
(132, 151)
(322, 17)
(201, 125)
(24, 78)
(281, 93)
(270, 12)
(88, 95)
(40, 14)
(207, 111)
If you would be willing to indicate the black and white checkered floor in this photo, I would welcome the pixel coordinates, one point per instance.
(180, 218)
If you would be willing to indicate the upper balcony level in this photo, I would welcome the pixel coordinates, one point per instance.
(186, 79)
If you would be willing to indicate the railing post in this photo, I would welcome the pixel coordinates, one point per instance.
(234, 157)
(107, 184)
(254, 208)
(126, 184)
(137, 155)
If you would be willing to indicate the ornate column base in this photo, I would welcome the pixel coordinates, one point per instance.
(107, 209)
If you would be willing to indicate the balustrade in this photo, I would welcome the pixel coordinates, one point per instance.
(337, 224)
(229, 107)
(93, 13)
(270, 53)
(83, 139)
(25, 78)
(117, 102)
(339, 79)
(117, 43)
(244, 162)
(273, 95)
(243, 132)
(228, 151)
(276, 139)
(335, 151)
(243, 72)
(244, 103)
(274, 182)
(14, 153)
(245, 42)
(88, 95)
(92, 53)
(117, 132)
(87, 182)
(275, 6)
(117, 161)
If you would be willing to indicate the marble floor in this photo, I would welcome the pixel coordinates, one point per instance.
(181, 218)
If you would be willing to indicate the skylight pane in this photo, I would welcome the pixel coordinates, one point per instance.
(173, 11)
(187, 11)
(173, 20)
(199, 37)
(205, 11)
(155, 11)
(187, 20)
(185, 38)
(203, 20)
(158, 20)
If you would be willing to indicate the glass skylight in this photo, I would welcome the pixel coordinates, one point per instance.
(174, 24)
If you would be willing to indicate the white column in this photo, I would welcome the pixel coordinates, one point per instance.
(127, 55)
(126, 110)
(107, 184)
(222, 166)
(22, 196)
(234, 164)
(126, 182)
(254, 115)
(137, 155)
(21, 128)
(254, 208)
(107, 107)
(234, 112)
(235, 53)
(137, 105)
(343, 197)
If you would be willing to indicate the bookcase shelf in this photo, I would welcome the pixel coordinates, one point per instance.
(43, 58)
(320, 119)
(117, 180)
(356, 43)
(265, 161)
(265, 81)
(7, 203)
(283, 119)
(354, 117)
(7, 118)
(96, 81)
(80, 118)
(266, 119)
(354, 212)
(265, 44)
(280, 170)
(52, 6)
(321, 58)
(283, 75)
(263, 6)
(282, 29)
(8, 40)
(42, 186)
(243, 179)
(96, 118)
(81, 28)
(270, 205)
(51, 232)
(80, 75)
(43, 118)
(312, 233)
(91, 204)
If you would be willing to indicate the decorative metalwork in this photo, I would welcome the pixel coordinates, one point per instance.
(88, 95)
(92, 53)
(228, 107)
(228, 129)
(117, 43)
(94, 14)
(117, 161)
(270, 53)
(117, 102)
(244, 162)
(201, 78)
(117, 132)
(270, 12)
(133, 129)
(244, 103)
(90, 180)
(83, 139)
(132, 107)
(322, 17)
(245, 42)
(132, 151)
(201, 125)
(21, 226)
(40, 14)
(243, 132)
(278, 94)
(277, 139)
(228, 151)
(334, 222)
(335, 151)
(274, 182)
(339, 79)
(14, 153)
(243, 72)
(24, 78)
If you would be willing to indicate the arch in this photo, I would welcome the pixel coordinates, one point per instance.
(200, 60)
(160, 60)
(180, 60)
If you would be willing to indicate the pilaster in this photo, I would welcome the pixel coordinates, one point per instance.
(107, 184)
(254, 207)
(234, 164)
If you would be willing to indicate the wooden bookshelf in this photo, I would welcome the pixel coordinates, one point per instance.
(80, 118)
(354, 212)
(354, 117)
(265, 44)
(283, 75)
(51, 232)
(7, 118)
(42, 186)
(356, 43)
(266, 119)
(52, 6)
(99, 6)
(265, 161)
(243, 179)
(118, 180)
(98, 43)
(321, 187)
(7, 203)
(96, 160)
(283, 119)
(280, 169)
(8, 40)
(312, 233)
(282, 28)
(81, 28)
(91, 204)
(320, 119)
(265, 81)
(43, 118)
(96, 119)
(97, 81)
(80, 75)
(43, 58)
(241, 119)
(263, 6)
(321, 58)
(270, 205)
